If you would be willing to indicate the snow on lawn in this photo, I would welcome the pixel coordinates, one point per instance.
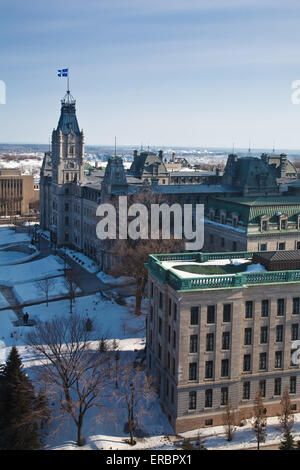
(10, 236)
(107, 279)
(83, 260)
(244, 436)
(3, 303)
(39, 269)
(30, 292)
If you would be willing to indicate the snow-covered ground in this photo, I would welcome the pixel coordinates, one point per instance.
(8, 235)
(30, 291)
(36, 269)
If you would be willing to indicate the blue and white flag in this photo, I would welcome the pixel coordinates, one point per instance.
(62, 72)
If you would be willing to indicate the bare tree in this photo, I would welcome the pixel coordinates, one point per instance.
(71, 285)
(133, 254)
(286, 422)
(229, 421)
(259, 421)
(75, 375)
(44, 286)
(136, 391)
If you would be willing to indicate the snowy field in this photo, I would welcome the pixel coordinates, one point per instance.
(7, 236)
(39, 269)
(30, 292)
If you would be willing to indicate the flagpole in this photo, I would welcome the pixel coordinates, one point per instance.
(68, 82)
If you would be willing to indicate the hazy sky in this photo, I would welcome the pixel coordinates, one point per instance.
(161, 72)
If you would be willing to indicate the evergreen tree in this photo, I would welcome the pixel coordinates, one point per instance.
(18, 420)
(287, 442)
(286, 420)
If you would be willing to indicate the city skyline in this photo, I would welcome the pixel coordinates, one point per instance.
(182, 74)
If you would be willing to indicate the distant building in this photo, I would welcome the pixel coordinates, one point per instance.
(18, 193)
(219, 331)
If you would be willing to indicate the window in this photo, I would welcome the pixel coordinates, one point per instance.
(192, 400)
(66, 206)
(209, 365)
(264, 225)
(193, 371)
(169, 334)
(222, 242)
(224, 368)
(66, 236)
(224, 395)
(151, 292)
(296, 305)
(210, 342)
(170, 307)
(293, 384)
(160, 300)
(209, 422)
(247, 363)
(278, 359)
(263, 361)
(66, 220)
(226, 340)
(264, 334)
(175, 312)
(174, 339)
(280, 307)
(263, 247)
(159, 351)
(277, 387)
(246, 390)
(262, 387)
(281, 246)
(159, 325)
(194, 315)
(169, 361)
(234, 246)
(211, 314)
(298, 244)
(211, 238)
(193, 343)
(279, 333)
(264, 308)
(249, 309)
(248, 336)
(226, 313)
(295, 334)
(208, 398)
(173, 366)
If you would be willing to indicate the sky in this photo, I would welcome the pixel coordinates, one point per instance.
(198, 73)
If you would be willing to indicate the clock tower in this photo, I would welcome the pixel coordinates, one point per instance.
(67, 145)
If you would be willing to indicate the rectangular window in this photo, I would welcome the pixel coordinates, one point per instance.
(192, 400)
(160, 300)
(296, 305)
(209, 365)
(281, 246)
(66, 206)
(277, 387)
(295, 331)
(246, 390)
(170, 307)
(169, 334)
(247, 363)
(279, 333)
(174, 339)
(249, 309)
(263, 247)
(264, 308)
(262, 386)
(173, 366)
(194, 315)
(226, 340)
(278, 359)
(208, 398)
(175, 312)
(248, 336)
(193, 343)
(224, 395)
(226, 313)
(211, 314)
(263, 361)
(280, 307)
(210, 342)
(293, 384)
(225, 368)
(264, 334)
(193, 371)
(159, 325)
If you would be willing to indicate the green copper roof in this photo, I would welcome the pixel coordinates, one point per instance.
(251, 209)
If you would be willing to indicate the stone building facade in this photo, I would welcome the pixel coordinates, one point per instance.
(214, 338)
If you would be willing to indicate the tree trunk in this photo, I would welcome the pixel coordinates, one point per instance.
(79, 432)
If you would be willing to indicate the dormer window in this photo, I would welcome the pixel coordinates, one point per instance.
(235, 219)
(264, 223)
(282, 221)
(212, 214)
(298, 222)
(223, 217)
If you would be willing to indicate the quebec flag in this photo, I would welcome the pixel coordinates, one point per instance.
(62, 72)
